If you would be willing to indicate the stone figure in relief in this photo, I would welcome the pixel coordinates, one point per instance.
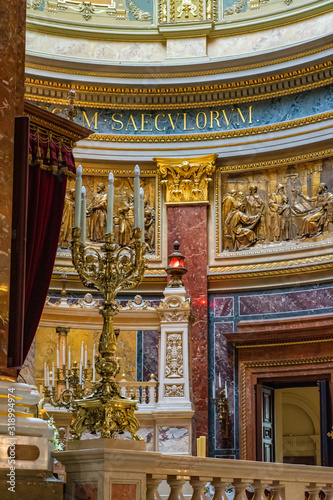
(276, 201)
(255, 205)
(228, 205)
(240, 227)
(96, 211)
(149, 213)
(67, 219)
(285, 212)
(315, 221)
(126, 221)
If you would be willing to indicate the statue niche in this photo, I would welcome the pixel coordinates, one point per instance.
(273, 217)
(123, 214)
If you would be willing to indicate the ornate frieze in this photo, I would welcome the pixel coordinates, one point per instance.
(277, 207)
(174, 390)
(123, 214)
(186, 180)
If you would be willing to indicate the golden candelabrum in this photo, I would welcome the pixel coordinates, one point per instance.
(70, 385)
(109, 270)
(221, 402)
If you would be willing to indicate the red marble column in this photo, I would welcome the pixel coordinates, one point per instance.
(188, 225)
(12, 28)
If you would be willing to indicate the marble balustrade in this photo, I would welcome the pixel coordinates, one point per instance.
(144, 392)
(167, 477)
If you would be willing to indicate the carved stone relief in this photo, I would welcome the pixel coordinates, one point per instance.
(277, 206)
(123, 218)
(174, 390)
(174, 356)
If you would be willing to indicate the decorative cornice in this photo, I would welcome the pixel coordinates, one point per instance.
(275, 272)
(269, 265)
(215, 95)
(275, 163)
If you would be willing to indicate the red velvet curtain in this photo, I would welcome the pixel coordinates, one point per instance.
(50, 161)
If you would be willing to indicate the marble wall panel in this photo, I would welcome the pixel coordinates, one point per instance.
(122, 491)
(150, 353)
(86, 491)
(285, 302)
(223, 306)
(224, 368)
(186, 47)
(174, 439)
(188, 225)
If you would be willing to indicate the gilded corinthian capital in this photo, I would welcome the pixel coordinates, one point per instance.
(186, 180)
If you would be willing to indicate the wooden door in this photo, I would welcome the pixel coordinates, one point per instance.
(325, 423)
(265, 423)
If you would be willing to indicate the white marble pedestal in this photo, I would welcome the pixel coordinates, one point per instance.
(93, 473)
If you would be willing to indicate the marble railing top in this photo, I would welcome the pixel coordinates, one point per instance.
(211, 468)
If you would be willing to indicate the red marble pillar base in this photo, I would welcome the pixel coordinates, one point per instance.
(188, 225)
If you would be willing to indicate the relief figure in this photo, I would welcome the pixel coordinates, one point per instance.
(149, 213)
(275, 202)
(96, 211)
(67, 219)
(285, 212)
(126, 221)
(228, 205)
(316, 220)
(255, 205)
(241, 227)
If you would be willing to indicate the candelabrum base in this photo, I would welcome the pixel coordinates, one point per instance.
(111, 417)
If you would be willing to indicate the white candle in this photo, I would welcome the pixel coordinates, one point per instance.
(45, 373)
(53, 375)
(81, 353)
(85, 357)
(109, 214)
(63, 353)
(83, 221)
(47, 376)
(58, 363)
(136, 195)
(214, 392)
(226, 390)
(220, 385)
(80, 373)
(93, 366)
(69, 357)
(78, 187)
(142, 214)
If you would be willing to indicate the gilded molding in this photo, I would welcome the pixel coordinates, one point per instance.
(71, 270)
(184, 74)
(278, 272)
(269, 265)
(186, 180)
(261, 364)
(276, 344)
(276, 163)
(298, 81)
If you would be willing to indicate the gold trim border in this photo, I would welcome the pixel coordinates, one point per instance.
(276, 344)
(261, 364)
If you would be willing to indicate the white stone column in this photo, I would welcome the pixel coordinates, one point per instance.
(174, 376)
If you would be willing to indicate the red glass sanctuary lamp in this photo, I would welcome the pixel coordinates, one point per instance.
(176, 267)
